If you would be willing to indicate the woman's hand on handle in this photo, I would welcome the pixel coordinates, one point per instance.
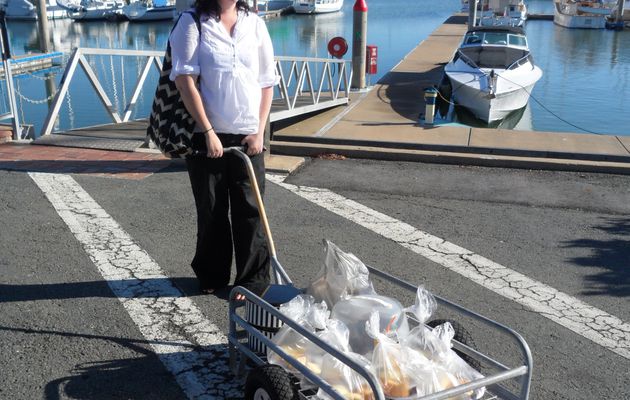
(254, 143)
(215, 148)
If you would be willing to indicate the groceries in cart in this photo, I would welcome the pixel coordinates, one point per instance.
(314, 317)
(341, 276)
(355, 312)
(344, 379)
(373, 330)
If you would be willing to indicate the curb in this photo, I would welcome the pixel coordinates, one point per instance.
(445, 157)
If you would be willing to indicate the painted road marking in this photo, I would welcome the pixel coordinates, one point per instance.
(192, 348)
(592, 323)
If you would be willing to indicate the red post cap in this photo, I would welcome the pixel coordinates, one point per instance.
(360, 5)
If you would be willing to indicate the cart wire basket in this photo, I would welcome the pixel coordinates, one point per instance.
(272, 382)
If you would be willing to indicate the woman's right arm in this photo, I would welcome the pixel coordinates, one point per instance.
(185, 58)
(186, 84)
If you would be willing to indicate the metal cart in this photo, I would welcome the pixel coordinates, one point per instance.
(271, 382)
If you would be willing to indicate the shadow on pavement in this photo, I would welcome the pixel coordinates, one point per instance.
(405, 91)
(95, 166)
(612, 256)
(142, 377)
(76, 290)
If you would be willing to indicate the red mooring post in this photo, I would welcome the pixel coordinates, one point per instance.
(359, 41)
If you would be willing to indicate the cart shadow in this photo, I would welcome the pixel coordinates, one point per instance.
(141, 377)
(611, 256)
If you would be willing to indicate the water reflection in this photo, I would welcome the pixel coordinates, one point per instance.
(66, 35)
(520, 120)
(585, 77)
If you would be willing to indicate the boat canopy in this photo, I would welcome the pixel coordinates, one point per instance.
(496, 38)
(507, 29)
(494, 57)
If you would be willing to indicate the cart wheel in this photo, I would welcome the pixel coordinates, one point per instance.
(461, 335)
(269, 382)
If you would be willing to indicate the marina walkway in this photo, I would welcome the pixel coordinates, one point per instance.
(383, 123)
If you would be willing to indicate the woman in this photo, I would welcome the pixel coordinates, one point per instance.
(224, 69)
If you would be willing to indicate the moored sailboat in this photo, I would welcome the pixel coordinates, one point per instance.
(582, 14)
(25, 10)
(90, 10)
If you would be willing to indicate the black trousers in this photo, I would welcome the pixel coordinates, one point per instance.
(228, 219)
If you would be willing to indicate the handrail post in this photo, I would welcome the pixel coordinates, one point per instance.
(6, 60)
(65, 83)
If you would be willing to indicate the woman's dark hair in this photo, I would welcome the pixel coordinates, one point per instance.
(212, 7)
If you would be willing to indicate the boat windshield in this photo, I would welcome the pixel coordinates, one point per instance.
(495, 38)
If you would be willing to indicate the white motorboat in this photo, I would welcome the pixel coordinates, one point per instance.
(273, 5)
(317, 6)
(90, 10)
(492, 73)
(582, 14)
(25, 10)
(155, 10)
(503, 13)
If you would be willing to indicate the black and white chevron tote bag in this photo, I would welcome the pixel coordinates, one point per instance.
(170, 124)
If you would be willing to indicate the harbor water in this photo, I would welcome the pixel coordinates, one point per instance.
(584, 87)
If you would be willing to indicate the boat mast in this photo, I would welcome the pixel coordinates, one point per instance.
(472, 13)
(620, 12)
(42, 23)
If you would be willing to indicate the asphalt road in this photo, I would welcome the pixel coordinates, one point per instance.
(65, 334)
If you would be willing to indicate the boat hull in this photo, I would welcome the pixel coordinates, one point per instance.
(274, 5)
(486, 107)
(91, 15)
(571, 20)
(150, 13)
(311, 7)
(25, 11)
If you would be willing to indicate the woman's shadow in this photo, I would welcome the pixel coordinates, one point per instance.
(144, 376)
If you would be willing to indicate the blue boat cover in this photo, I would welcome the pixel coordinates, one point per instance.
(160, 3)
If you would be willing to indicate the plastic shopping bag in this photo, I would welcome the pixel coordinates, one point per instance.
(308, 314)
(449, 368)
(390, 361)
(355, 311)
(342, 275)
(344, 379)
(424, 306)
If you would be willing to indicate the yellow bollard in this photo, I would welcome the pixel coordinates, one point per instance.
(430, 96)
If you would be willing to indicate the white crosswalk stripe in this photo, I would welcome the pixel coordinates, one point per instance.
(191, 347)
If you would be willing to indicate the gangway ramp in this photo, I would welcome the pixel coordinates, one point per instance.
(306, 85)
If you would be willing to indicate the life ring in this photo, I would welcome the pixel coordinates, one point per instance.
(337, 47)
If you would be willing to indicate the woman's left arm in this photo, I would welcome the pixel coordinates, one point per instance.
(267, 79)
(255, 143)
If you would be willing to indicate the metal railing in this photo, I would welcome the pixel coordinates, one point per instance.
(311, 84)
(306, 84)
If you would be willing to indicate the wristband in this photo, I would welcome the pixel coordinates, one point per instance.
(208, 130)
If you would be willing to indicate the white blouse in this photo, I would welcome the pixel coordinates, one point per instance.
(231, 69)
